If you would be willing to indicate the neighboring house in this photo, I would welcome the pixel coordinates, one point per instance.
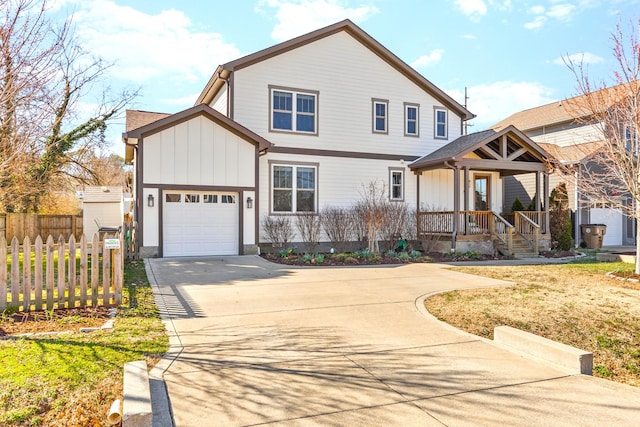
(565, 132)
(307, 124)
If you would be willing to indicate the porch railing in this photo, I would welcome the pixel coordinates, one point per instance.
(469, 223)
(538, 217)
(528, 229)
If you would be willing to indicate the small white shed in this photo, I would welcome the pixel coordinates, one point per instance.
(101, 207)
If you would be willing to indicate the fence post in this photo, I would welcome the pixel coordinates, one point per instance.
(95, 269)
(26, 274)
(117, 272)
(49, 273)
(61, 272)
(38, 273)
(15, 272)
(72, 272)
(83, 271)
(106, 274)
(3, 272)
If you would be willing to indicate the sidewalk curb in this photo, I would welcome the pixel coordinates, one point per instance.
(162, 413)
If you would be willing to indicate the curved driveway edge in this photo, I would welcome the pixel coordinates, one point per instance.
(256, 343)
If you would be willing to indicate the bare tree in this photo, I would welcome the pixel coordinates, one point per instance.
(372, 210)
(43, 75)
(611, 172)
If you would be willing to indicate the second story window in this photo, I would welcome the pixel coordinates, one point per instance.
(440, 125)
(294, 111)
(380, 114)
(411, 120)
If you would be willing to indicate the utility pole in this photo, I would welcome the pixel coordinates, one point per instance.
(466, 98)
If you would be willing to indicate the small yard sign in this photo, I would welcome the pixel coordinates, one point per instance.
(111, 243)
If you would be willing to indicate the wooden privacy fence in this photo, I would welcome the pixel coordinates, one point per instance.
(21, 225)
(56, 274)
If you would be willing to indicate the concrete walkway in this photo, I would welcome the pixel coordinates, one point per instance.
(263, 344)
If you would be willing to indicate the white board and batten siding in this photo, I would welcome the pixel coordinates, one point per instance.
(347, 76)
(197, 153)
(341, 181)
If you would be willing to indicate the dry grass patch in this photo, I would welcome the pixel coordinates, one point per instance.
(575, 304)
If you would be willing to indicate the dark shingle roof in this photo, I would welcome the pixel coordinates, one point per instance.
(454, 148)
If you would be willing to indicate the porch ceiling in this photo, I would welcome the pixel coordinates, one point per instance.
(508, 151)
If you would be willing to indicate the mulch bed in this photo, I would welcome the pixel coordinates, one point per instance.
(67, 319)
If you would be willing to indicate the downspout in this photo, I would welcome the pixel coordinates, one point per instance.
(138, 186)
(226, 81)
(456, 201)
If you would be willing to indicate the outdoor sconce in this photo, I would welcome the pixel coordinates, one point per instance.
(150, 201)
(249, 202)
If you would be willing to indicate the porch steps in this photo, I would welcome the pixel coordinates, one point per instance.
(520, 247)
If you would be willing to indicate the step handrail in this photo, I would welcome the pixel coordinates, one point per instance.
(529, 230)
(503, 230)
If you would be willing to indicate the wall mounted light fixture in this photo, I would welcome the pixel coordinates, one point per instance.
(249, 202)
(150, 201)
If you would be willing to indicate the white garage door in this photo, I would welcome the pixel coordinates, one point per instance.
(612, 218)
(200, 223)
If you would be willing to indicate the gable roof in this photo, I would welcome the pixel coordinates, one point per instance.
(568, 110)
(478, 143)
(571, 154)
(221, 74)
(132, 137)
(138, 118)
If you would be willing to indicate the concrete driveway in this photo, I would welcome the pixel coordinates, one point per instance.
(262, 344)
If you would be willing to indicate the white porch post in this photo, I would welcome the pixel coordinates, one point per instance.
(546, 204)
(466, 199)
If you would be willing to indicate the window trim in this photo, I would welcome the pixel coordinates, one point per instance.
(374, 102)
(402, 174)
(436, 110)
(295, 166)
(294, 92)
(408, 105)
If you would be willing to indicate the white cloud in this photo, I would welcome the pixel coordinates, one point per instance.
(496, 101)
(429, 59)
(579, 58)
(182, 101)
(536, 23)
(469, 36)
(537, 10)
(562, 12)
(297, 17)
(472, 8)
(149, 47)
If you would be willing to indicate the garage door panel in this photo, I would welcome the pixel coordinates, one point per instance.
(200, 224)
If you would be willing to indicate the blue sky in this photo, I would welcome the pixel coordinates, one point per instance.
(508, 53)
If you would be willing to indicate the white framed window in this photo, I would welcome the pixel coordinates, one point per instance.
(396, 184)
(380, 109)
(192, 198)
(293, 188)
(411, 117)
(293, 111)
(440, 123)
(631, 138)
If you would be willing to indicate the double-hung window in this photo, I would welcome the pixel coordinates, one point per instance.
(294, 111)
(380, 116)
(440, 125)
(411, 119)
(294, 188)
(396, 184)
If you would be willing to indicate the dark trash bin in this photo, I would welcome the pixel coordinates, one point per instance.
(593, 234)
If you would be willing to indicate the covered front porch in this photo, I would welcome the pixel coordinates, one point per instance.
(465, 216)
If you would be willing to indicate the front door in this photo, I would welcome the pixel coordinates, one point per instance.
(481, 199)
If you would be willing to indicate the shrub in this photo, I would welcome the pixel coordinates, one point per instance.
(278, 230)
(392, 254)
(337, 223)
(517, 205)
(309, 227)
(560, 218)
(415, 254)
(320, 258)
(404, 256)
(350, 260)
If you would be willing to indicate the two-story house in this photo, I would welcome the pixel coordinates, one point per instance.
(569, 133)
(307, 124)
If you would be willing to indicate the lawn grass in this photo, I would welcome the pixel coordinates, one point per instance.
(71, 379)
(576, 304)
